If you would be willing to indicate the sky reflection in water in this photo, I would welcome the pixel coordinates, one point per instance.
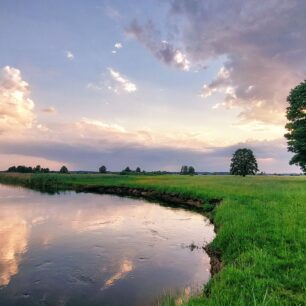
(77, 249)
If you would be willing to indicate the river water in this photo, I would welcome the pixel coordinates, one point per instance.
(88, 249)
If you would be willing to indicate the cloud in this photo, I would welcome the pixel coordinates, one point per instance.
(180, 60)
(262, 42)
(272, 155)
(118, 45)
(126, 267)
(49, 109)
(92, 131)
(123, 82)
(13, 244)
(100, 125)
(42, 128)
(117, 147)
(221, 83)
(96, 86)
(161, 49)
(112, 13)
(70, 55)
(16, 107)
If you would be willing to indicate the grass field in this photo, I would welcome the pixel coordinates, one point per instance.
(261, 225)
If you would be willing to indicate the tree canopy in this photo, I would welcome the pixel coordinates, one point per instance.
(191, 170)
(64, 169)
(102, 169)
(127, 170)
(184, 170)
(243, 163)
(187, 170)
(25, 169)
(296, 126)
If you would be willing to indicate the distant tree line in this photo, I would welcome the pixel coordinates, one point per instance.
(185, 170)
(37, 169)
(25, 169)
(243, 163)
(128, 170)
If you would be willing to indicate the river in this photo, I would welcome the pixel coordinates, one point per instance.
(90, 249)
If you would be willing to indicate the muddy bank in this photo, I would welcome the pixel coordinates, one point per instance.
(168, 198)
(151, 195)
(215, 259)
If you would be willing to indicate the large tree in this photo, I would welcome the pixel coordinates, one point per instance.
(296, 115)
(243, 163)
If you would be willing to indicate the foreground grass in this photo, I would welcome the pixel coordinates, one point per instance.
(261, 230)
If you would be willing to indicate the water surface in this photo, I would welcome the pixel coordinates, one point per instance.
(88, 249)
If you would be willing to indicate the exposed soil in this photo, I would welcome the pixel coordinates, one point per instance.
(215, 260)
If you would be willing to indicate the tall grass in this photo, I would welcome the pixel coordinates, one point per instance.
(39, 181)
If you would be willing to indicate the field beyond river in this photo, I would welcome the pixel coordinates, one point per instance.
(260, 223)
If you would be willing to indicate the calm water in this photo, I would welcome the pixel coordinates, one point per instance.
(87, 249)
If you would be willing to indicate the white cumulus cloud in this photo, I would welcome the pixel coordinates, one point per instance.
(118, 45)
(181, 60)
(16, 107)
(122, 81)
(70, 55)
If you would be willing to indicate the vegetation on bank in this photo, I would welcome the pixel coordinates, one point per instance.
(261, 226)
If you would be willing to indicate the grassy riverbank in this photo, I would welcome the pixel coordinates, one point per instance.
(261, 226)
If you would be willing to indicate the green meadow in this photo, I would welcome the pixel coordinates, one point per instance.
(260, 223)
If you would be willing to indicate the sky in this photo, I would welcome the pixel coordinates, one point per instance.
(156, 84)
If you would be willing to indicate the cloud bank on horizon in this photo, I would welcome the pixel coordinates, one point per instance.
(256, 52)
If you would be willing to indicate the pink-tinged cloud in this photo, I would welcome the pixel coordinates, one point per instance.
(89, 143)
(49, 109)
